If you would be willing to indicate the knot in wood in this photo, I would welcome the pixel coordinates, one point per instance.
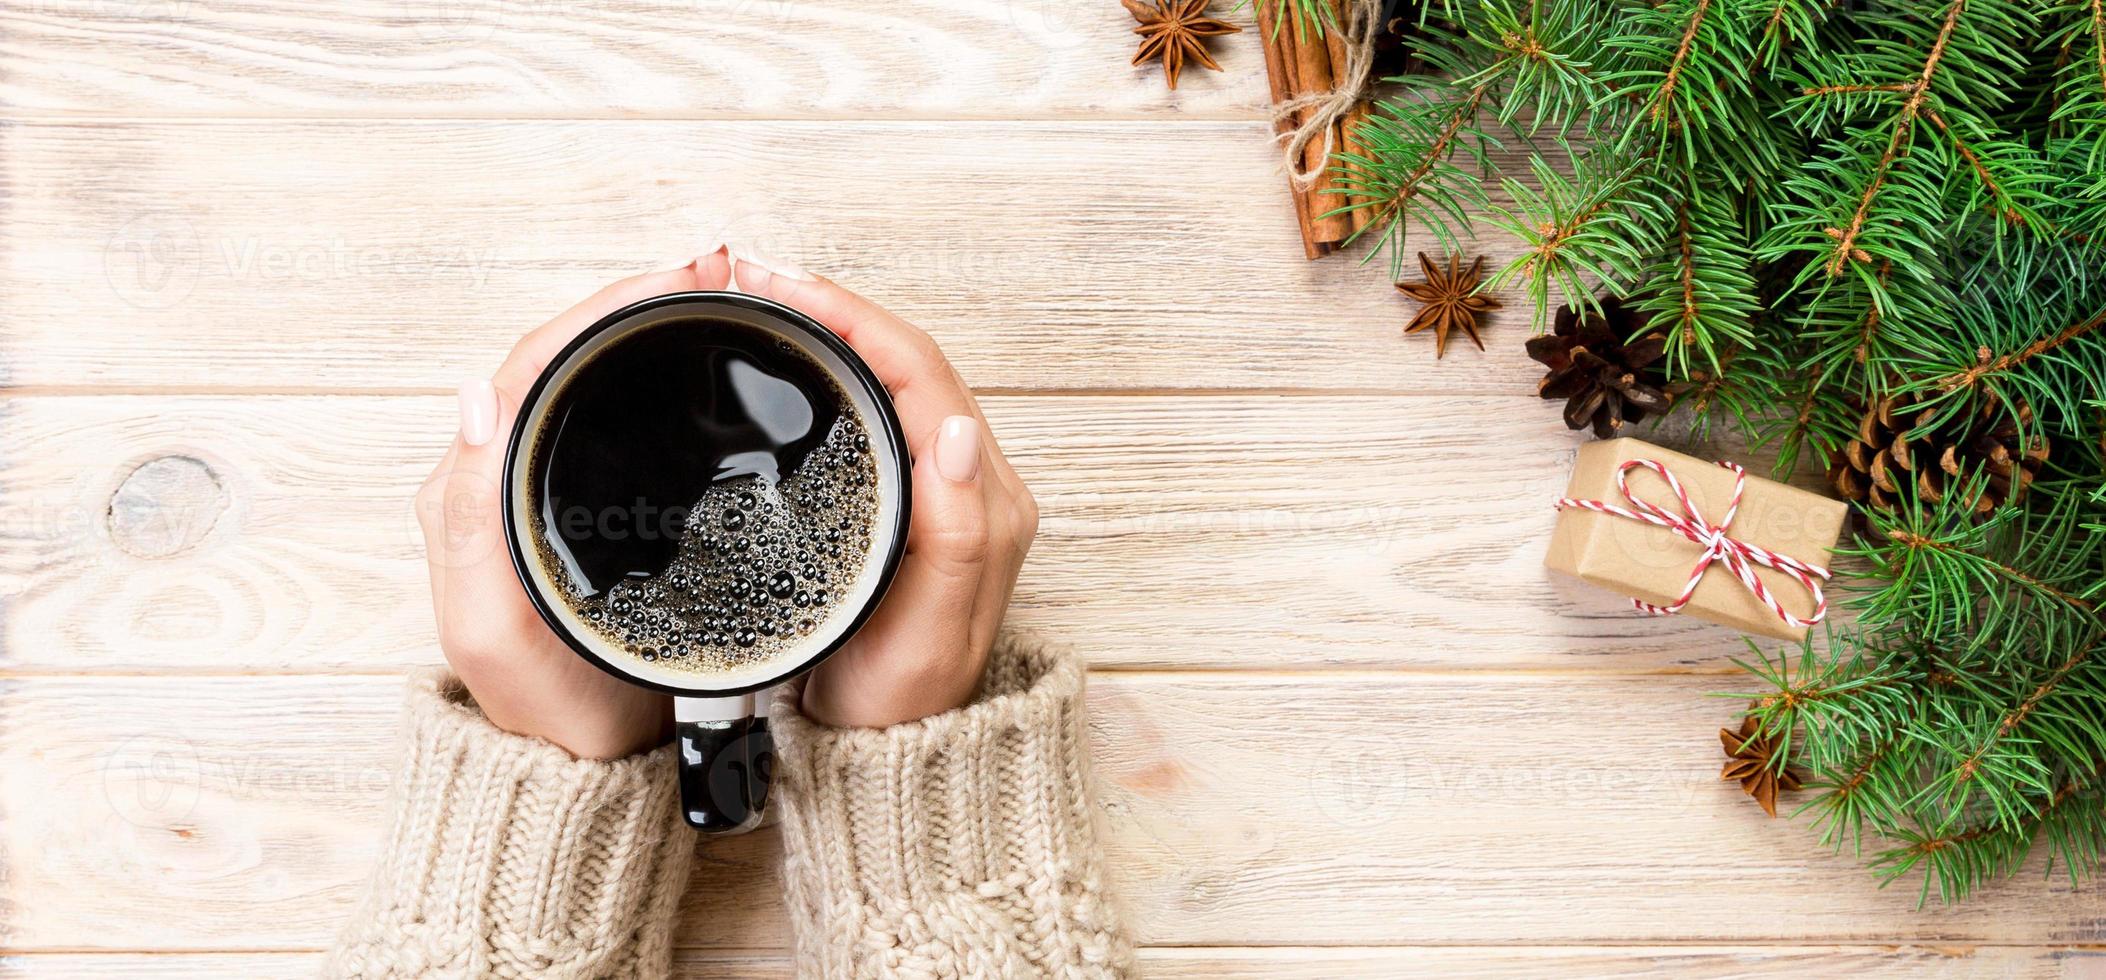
(165, 506)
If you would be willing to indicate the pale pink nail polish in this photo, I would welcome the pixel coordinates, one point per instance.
(958, 449)
(708, 249)
(767, 266)
(478, 412)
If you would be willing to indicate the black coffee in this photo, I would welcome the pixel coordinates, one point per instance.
(705, 493)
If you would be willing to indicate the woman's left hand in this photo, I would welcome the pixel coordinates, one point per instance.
(525, 679)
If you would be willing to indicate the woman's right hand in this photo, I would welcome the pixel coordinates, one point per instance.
(923, 651)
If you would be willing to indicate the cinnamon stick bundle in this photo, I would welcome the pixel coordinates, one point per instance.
(1295, 67)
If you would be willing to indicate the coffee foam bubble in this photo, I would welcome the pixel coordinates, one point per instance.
(759, 568)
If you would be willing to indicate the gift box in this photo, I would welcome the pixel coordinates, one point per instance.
(1684, 545)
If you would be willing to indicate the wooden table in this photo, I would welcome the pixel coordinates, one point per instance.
(1344, 723)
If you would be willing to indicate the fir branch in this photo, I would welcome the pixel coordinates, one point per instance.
(1988, 366)
(1823, 207)
(1592, 227)
(1959, 861)
(1707, 303)
(1820, 90)
(1406, 168)
(1789, 21)
(1673, 74)
(1389, 207)
(2009, 198)
(1833, 705)
(1846, 241)
(1914, 541)
(1863, 795)
(1983, 586)
(1971, 765)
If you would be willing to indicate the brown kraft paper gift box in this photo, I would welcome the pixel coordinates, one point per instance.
(1652, 563)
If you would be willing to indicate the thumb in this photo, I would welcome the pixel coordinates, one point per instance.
(914, 657)
(932, 596)
(480, 578)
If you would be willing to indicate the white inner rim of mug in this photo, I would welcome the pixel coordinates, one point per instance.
(884, 531)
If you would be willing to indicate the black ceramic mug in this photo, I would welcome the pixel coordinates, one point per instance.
(726, 753)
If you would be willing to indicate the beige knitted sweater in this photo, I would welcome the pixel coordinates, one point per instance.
(957, 846)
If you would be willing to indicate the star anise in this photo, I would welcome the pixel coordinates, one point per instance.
(1451, 301)
(1749, 760)
(1171, 29)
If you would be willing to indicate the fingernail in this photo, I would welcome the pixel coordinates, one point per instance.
(755, 268)
(709, 249)
(478, 412)
(958, 449)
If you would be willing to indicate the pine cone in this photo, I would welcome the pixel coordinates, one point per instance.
(1605, 381)
(1396, 24)
(1893, 449)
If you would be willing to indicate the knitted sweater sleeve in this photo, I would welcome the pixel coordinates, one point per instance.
(958, 845)
(506, 857)
(961, 845)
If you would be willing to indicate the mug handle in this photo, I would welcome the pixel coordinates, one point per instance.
(727, 761)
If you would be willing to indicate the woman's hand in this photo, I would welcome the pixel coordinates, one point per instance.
(525, 679)
(923, 650)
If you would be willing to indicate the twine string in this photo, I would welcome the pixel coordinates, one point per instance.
(1347, 90)
(1739, 557)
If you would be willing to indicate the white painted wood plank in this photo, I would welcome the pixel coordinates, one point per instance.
(241, 812)
(1293, 963)
(392, 254)
(277, 533)
(609, 58)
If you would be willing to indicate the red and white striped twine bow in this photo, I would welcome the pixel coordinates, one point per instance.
(1739, 556)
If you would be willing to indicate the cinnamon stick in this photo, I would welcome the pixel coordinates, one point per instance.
(1346, 140)
(1312, 75)
(1279, 75)
(1356, 146)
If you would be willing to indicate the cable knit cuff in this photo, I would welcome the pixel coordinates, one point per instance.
(959, 845)
(507, 857)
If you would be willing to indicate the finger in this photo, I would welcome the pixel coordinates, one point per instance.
(430, 504)
(921, 638)
(948, 535)
(483, 596)
(924, 388)
(710, 270)
(1007, 544)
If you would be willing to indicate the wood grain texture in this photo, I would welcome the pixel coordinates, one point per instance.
(609, 58)
(1193, 531)
(386, 255)
(266, 206)
(241, 813)
(1292, 963)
